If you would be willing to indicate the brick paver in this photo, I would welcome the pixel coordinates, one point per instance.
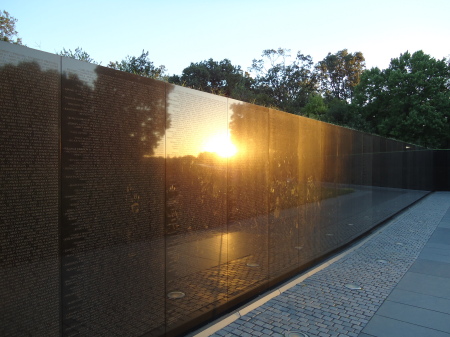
(322, 305)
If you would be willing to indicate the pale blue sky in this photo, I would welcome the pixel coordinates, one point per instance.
(177, 32)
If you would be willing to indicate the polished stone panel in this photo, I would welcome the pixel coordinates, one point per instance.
(357, 158)
(345, 152)
(311, 177)
(370, 169)
(441, 160)
(112, 127)
(377, 152)
(329, 188)
(285, 193)
(394, 164)
(197, 145)
(248, 198)
(29, 192)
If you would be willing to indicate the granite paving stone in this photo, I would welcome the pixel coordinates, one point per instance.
(426, 284)
(421, 300)
(435, 268)
(388, 327)
(414, 315)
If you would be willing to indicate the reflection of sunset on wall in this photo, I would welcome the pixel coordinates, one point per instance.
(220, 144)
(199, 123)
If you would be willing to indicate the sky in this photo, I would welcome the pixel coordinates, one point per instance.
(178, 32)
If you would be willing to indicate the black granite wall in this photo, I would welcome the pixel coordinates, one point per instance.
(132, 207)
(442, 170)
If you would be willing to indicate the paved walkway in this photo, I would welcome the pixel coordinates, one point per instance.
(402, 270)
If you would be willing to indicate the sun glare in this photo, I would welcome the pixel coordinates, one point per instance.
(220, 144)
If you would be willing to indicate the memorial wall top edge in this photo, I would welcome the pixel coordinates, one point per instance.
(15, 54)
(173, 88)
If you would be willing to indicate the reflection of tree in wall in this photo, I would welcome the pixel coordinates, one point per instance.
(113, 195)
(119, 122)
(196, 193)
(137, 100)
(283, 162)
(248, 169)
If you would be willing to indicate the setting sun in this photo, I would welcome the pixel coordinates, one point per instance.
(220, 144)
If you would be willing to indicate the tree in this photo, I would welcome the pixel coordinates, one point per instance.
(8, 28)
(339, 73)
(221, 78)
(79, 54)
(140, 65)
(335, 111)
(285, 86)
(315, 108)
(409, 101)
(342, 113)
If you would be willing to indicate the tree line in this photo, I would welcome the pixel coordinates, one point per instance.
(408, 101)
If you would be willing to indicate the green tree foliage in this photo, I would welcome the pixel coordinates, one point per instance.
(340, 112)
(8, 31)
(409, 101)
(221, 78)
(78, 54)
(140, 65)
(315, 108)
(339, 73)
(283, 85)
(335, 111)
